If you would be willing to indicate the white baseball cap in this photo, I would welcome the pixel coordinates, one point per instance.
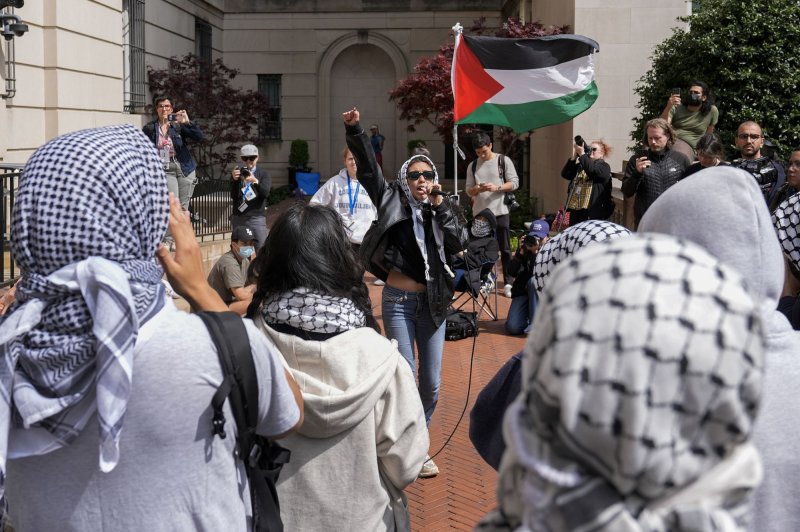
(249, 150)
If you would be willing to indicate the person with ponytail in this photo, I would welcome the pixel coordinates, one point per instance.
(364, 437)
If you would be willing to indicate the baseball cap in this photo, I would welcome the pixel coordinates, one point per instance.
(249, 150)
(539, 228)
(242, 234)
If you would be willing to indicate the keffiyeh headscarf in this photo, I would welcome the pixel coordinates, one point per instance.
(639, 393)
(569, 241)
(90, 212)
(786, 220)
(416, 215)
(309, 311)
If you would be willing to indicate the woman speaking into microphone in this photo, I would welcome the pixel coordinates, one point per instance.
(409, 247)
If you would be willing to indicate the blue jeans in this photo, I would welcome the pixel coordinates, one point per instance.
(407, 318)
(522, 310)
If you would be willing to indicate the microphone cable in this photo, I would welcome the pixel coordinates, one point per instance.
(469, 388)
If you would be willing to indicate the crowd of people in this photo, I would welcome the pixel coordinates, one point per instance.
(655, 390)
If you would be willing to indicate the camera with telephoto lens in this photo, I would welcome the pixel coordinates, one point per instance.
(244, 172)
(582, 143)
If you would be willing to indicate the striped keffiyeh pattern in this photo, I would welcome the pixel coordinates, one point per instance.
(90, 212)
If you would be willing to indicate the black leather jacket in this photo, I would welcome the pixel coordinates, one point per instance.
(393, 208)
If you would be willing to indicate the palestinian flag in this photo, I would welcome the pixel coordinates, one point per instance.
(522, 83)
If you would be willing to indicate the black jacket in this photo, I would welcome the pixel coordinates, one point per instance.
(393, 208)
(258, 205)
(599, 173)
(666, 169)
(478, 252)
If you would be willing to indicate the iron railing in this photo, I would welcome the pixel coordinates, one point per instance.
(9, 176)
(211, 207)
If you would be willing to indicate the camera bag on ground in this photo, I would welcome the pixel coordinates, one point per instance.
(262, 457)
(509, 198)
(460, 325)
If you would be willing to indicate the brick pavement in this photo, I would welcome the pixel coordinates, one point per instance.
(464, 490)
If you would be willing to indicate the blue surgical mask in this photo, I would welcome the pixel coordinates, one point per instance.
(246, 251)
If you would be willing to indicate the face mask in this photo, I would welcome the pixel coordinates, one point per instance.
(480, 228)
(246, 251)
(695, 99)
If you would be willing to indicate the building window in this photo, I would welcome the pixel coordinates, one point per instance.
(270, 125)
(202, 41)
(134, 85)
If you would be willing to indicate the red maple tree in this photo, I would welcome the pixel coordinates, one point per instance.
(427, 96)
(228, 116)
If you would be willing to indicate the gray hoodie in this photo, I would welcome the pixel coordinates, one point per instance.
(363, 439)
(723, 210)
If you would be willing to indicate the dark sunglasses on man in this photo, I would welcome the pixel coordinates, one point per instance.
(249, 158)
(429, 175)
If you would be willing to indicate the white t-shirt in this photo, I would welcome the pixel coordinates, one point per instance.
(172, 473)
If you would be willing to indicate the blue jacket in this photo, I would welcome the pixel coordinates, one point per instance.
(178, 133)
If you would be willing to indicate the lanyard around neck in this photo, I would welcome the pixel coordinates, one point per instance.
(353, 199)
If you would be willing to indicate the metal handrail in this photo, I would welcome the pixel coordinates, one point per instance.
(211, 207)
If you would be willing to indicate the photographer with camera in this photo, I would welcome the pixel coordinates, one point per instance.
(590, 181)
(491, 180)
(524, 298)
(250, 188)
(169, 132)
(769, 174)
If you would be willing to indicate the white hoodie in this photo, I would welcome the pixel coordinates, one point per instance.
(723, 210)
(357, 217)
(364, 437)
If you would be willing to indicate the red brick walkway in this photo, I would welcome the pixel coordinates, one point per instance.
(464, 491)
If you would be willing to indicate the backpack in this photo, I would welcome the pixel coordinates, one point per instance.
(262, 457)
(460, 325)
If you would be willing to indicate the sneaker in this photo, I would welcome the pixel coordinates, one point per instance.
(507, 290)
(429, 469)
(378, 282)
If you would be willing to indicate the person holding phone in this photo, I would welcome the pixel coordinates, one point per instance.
(653, 170)
(691, 118)
(169, 132)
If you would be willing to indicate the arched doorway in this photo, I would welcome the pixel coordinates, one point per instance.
(362, 75)
(359, 69)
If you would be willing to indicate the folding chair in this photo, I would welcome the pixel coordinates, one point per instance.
(488, 278)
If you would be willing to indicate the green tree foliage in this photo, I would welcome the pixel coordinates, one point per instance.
(227, 115)
(747, 54)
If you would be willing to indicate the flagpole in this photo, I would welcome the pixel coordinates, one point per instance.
(457, 30)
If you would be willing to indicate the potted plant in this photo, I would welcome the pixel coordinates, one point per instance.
(298, 160)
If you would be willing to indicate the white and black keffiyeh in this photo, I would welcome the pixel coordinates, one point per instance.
(786, 220)
(416, 215)
(309, 311)
(639, 394)
(89, 214)
(568, 242)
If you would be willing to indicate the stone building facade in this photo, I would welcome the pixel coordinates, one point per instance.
(81, 65)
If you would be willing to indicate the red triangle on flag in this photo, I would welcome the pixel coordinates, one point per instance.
(473, 86)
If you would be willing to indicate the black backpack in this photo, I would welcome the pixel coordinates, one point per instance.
(460, 325)
(262, 457)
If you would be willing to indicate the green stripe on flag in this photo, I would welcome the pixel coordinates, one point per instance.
(533, 115)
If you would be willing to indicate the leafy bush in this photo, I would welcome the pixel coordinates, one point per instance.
(278, 194)
(298, 154)
(746, 53)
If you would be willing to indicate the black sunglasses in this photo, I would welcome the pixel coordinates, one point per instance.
(429, 175)
(249, 158)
